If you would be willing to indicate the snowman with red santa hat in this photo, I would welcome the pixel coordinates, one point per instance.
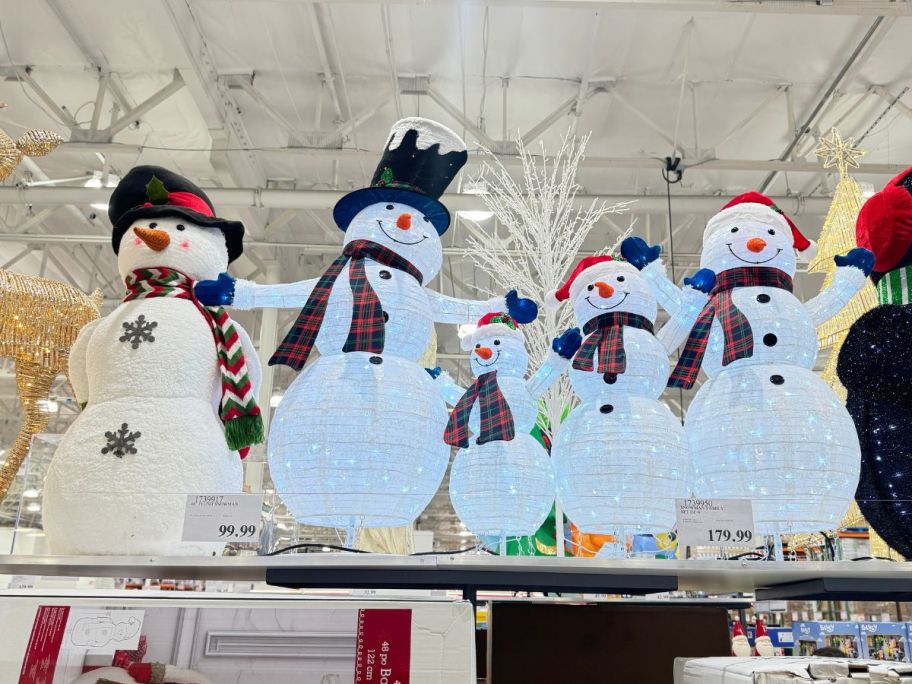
(764, 427)
(620, 458)
(501, 482)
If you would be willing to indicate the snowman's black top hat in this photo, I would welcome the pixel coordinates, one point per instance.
(156, 192)
(420, 160)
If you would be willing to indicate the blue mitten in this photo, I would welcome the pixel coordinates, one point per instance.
(434, 372)
(860, 258)
(567, 343)
(219, 292)
(703, 280)
(637, 252)
(521, 310)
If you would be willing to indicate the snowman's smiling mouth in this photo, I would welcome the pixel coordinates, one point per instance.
(748, 261)
(607, 308)
(486, 365)
(401, 242)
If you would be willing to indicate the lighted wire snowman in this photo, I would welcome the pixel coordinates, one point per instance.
(501, 482)
(764, 426)
(620, 458)
(355, 441)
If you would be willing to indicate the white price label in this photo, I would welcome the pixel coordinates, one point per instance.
(715, 522)
(222, 517)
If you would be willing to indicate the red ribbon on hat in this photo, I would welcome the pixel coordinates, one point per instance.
(187, 200)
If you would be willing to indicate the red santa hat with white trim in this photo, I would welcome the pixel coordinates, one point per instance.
(754, 206)
(593, 267)
(496, 323)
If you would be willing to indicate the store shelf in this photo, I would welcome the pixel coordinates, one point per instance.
(770, 580)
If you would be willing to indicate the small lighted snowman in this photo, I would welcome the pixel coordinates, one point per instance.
(501, 483)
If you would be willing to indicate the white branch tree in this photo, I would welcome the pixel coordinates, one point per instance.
(544, 231)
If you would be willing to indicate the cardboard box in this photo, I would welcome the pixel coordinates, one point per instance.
(884, 641)
(790, 670)
(282, 640)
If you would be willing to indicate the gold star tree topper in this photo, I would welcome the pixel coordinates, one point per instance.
(838, 152)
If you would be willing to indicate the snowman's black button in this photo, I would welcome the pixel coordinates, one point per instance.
(606, 408)
(386, 275)
(376, 360)
(386, 317)
(610, 378)
(770, 340)
(763, 298)
(777, 379)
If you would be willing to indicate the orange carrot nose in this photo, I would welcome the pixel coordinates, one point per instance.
(155, 239)
(605, 290)
(484, 352)
(756, 244)
(404, 221)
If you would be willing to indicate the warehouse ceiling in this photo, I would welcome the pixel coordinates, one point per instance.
(290, 102)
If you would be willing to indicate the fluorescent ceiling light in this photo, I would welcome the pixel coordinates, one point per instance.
(466, 329)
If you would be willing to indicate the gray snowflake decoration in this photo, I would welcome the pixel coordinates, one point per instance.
(138, 331)
(122, 442)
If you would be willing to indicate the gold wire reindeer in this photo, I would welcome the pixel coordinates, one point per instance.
(39, 321)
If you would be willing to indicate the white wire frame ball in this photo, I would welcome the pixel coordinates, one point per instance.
(502, 488)
(358, 444)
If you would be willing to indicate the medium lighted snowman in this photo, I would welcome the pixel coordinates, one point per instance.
(620, 458)
(355, 441)
(501, 482)
(164, 417)
(764, 426)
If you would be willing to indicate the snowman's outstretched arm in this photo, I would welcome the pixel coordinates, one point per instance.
(449, 390)
(848, 279)
(547, 374)
(454, 310)
(251, 295)
(78, 371)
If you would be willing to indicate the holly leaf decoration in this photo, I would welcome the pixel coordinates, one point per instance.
(386, 177)
(156, 192)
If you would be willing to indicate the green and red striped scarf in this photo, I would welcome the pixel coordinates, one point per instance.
(896, 286)
(238, 410)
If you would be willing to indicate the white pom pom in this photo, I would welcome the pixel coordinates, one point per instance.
(808, 253)
(551, 301)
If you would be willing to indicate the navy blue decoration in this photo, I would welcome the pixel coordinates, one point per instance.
(567, 343)
(638, 252)
(219, 292)
(875, 365)
(703, 280)
(409, 175)
(434, 372)
(521, 310)
(859, 257)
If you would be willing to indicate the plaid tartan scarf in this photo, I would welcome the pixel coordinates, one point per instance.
(606, 338)
(495, 416)
(366, 333)
(238, 411)
(739, 339)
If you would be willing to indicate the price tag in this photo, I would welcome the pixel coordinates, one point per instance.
(222, 517)
(715, 522)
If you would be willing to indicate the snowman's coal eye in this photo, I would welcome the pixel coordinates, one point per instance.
(153, 224)
(496, 341)
(389, 207)
(620, 279)
(735, 229)
(590, 287)
(771, 231)
(180, 226)
(478, 346)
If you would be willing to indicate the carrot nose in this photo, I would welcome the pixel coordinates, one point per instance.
(154, 239)
(404, 221)
(484, 352)
(756, 244)
(605, 290)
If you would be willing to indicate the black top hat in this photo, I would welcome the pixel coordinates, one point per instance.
(156, 192)
(420, 160)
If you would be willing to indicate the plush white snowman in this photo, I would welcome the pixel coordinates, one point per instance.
(169, 385)
(355, 441)
(142, 673)
(764, 426)
(620, 458)
(501, 482)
